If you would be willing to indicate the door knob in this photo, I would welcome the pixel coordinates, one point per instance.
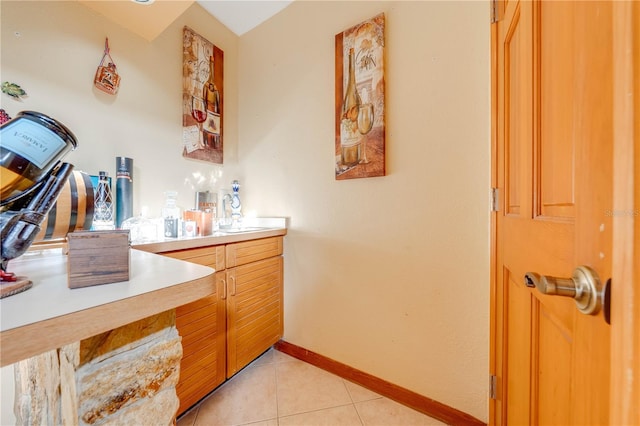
(584, 287)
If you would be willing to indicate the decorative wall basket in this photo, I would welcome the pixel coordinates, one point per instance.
(107, 78)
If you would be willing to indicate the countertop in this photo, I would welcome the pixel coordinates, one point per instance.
(251, 230)
(50, 315)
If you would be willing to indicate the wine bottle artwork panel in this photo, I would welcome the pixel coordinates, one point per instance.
(202, 98)
(359, 98)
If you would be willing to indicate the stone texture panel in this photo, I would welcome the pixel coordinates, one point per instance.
(37, 392)
(107, 386)
(125, 338)
(125, 376)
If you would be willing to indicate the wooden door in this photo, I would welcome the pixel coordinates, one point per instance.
(553, 133)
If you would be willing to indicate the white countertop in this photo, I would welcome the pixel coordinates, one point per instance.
(30, 321)
(252, 229)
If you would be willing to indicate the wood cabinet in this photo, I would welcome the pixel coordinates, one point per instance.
(225, 331)
(255, 298)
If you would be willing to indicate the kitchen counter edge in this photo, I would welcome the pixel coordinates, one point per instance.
(211, 240)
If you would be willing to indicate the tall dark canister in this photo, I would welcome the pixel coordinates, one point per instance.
(124, 189)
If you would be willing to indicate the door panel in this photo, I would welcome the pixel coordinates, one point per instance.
(555, 146)
(552, 127)
(518, 345)
(552, 367)
(516, 79)
(254, 311)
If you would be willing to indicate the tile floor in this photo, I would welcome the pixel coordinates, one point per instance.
(279, 390)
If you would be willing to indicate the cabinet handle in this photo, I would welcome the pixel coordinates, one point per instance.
(233, 288)
(224, 289)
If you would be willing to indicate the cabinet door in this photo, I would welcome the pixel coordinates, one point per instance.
(250, 251)
(254, 311)
(202, 326)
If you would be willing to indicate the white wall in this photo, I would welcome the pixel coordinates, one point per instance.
(389, 275)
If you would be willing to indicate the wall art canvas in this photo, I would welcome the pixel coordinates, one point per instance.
(202, 98)
(359, 94)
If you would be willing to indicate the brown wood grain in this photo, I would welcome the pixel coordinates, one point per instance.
(242, 318)
(404, 396)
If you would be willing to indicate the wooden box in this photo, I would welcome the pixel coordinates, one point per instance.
(97, 257)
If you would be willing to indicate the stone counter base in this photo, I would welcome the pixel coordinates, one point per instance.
(124, 376)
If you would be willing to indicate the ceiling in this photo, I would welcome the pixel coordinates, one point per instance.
(150, 19)
(241, 16)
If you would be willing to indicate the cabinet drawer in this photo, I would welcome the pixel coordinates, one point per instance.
(212, 256)
(250, 251)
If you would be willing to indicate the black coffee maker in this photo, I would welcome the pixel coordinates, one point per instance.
(32, 176)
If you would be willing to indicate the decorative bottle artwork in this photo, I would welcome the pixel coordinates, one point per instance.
(103, 210)
(107, 78)
(349, 135)
(360, 92)
(124, 189)
(202, 98)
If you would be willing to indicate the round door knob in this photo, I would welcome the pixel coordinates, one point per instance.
(584, 287)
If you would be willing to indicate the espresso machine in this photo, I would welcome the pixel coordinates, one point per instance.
(32, 177)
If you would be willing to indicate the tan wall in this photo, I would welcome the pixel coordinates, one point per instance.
(54, 58)
(389, 275)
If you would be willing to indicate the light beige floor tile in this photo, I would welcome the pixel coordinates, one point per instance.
(385, 412)
(248, 397)
(265, 358)
(270, 422)
(345, 415)
(303, 387)
(282, 357)
(189, 418)
(359, 393)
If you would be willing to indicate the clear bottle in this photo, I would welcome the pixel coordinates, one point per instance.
(171, 214)
(236, 205)
(232, 206)
(103, 210)
(349, 135)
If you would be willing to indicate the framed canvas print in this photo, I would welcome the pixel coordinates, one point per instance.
(359, 96)
(202, 98)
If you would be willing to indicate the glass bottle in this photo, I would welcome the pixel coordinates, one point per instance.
(103, 211)
(31, 144)
(171, 214)
(231, 203)
(349, 136)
